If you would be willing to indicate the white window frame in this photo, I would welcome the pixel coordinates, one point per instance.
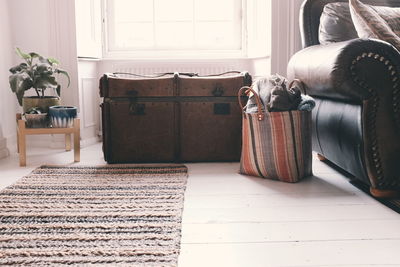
(172, 53)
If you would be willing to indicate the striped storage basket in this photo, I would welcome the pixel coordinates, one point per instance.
(276, 145)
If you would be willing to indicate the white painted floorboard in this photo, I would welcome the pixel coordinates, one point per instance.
(236, 220)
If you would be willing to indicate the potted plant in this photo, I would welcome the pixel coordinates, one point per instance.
(35, 118)
(38, 73)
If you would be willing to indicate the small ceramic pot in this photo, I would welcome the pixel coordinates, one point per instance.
(37, 120)
(62, 116)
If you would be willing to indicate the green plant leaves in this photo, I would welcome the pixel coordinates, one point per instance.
(14, 80)
(19, 83)
(45, 81)
(58, 90)
(33, 55)
(20, 95)
(21, 54)
(18, 68)
(53, 61)
(38, 73)
(44, 68)
(66, 75)
(34, 110)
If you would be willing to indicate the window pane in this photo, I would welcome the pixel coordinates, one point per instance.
(174, 34)
(217, 35)
(173, 10)
(215, 9)
(174, 24)
(134, 35)
(133, 10)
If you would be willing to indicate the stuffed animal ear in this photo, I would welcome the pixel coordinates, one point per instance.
(278, 91)
(294, 92)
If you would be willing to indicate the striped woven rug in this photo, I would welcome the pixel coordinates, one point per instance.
(109, 215)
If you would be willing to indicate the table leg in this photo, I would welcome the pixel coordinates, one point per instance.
(68, 142)
(77, 145)
(18, 117)
(22, 143)
(18, 141)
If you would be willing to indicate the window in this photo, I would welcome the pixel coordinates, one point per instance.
(159, 27)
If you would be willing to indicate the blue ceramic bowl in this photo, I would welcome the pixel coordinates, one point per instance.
(62, 116)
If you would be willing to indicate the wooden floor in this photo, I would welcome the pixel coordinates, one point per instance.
(234, 220)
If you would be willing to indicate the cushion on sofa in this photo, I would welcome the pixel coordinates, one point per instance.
(376, 22)
(336, 24)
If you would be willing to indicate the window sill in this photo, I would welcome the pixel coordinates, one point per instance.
(167, 55)
(177, 59)
(95, 59)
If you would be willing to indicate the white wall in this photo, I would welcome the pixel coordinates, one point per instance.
(62, 45)
(285, 33)
(7, 98)
(30, 25)
(90, 99)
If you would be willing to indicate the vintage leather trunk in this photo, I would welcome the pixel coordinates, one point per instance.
(172, 118)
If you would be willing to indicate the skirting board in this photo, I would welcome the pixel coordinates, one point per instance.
(90, 141)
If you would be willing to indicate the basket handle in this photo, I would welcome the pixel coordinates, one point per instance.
(301, 85)
(247, 90)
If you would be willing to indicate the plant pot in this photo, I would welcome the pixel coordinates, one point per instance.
(62, 116)
(43, 103)
(37, 120)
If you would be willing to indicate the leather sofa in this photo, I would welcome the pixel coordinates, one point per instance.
(356, 122)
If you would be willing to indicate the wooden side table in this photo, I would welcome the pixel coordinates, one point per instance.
(22, 132)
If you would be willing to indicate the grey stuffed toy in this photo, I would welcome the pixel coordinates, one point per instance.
(283, 98)
(274, 95)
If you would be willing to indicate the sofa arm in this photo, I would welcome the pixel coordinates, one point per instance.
(349, 70)
(365, 72)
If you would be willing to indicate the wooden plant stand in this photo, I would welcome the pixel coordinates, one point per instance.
(22, 132)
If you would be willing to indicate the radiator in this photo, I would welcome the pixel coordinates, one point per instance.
(202, 68)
